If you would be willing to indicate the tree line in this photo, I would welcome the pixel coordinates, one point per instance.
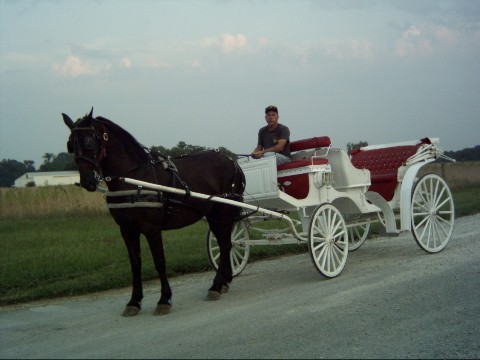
(10, 170)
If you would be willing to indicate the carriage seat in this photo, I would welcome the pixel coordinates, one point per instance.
(383, 164)
(298, 185)
(306, 144)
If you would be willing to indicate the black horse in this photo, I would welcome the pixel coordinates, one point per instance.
(105, 151)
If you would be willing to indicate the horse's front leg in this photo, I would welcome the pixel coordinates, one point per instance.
(155, 242)
(132, 241)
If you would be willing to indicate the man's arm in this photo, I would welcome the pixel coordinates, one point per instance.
(278, 147)
(259, 151)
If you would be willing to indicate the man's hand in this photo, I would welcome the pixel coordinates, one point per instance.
(257, 154)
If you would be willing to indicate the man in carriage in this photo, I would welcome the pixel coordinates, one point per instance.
(273, 139)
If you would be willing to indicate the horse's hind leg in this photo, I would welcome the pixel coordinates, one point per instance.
(155, 242)
(222, 231)
(132, 241)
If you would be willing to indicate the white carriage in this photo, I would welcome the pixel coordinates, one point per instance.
(337, 197)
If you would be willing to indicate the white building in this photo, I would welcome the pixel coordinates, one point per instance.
(48, 178)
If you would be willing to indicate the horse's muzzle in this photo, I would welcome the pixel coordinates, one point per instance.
(89, 184)
(89, 178)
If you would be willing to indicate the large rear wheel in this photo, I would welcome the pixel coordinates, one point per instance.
(328, 240)
(433, 213)
(240, 248)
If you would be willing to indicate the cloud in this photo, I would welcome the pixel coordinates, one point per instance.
(361, 50)
(430, 39)
(229, 43)
(413, 42)
(126, 63)
(74, 67)
(352, 49)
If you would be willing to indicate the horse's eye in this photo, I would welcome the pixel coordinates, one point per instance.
(70, 146)
(89, 143)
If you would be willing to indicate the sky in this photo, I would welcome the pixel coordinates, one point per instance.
(203, 71)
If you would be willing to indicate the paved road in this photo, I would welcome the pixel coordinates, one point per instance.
(391, 301)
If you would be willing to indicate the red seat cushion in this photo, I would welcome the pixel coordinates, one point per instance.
(312, 143)
(383, 164)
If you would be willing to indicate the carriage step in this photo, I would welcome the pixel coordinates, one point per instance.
(387, 211)
(383, 232)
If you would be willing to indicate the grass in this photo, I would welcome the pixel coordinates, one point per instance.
(56, 253)
(59, 200)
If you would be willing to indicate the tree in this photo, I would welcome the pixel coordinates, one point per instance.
(10, 170)
(467, 154)
(183, 148)
(48, 157)
(29, 165)
(351, 146)
(61, 162)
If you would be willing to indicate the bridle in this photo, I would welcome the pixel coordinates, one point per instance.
(90, 146)
(92, 143)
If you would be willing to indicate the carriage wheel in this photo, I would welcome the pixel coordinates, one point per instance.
(433, 213)
(357, 234)
(328, 240)
(240, 248)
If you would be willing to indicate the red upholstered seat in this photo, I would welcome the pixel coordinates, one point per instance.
(383, 165)
(298, 185)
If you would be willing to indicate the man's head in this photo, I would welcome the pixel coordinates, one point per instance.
(271, 116)
(271, 108)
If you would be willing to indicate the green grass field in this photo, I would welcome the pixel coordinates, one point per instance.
(50, 255)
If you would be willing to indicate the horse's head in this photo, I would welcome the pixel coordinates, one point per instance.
(87, 142)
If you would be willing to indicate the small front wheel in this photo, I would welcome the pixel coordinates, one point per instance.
(240, 248)
(433, 213)
(328, 240)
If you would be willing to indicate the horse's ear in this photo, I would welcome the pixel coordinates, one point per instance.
(68, 121)
(91, 114)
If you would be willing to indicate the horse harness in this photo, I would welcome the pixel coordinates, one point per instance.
(148, 198)
(140, 197)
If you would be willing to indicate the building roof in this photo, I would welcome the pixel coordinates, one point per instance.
(51, 173)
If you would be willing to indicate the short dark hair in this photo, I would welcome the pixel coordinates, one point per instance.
(271, 108)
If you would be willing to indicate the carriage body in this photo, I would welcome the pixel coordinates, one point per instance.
(337, 197)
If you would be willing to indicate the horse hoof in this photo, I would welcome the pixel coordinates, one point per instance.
(225, 289)
(162, 309)
(213, 295)
(131, 311)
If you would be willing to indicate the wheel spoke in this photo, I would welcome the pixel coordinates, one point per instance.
(425, 219)
(320, 245)
(443, 203)
(445, 221)
(438, 198)
(439, 222)
(335, 251)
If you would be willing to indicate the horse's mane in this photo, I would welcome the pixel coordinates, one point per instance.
(132, 146)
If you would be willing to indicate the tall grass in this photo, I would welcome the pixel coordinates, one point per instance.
(37, 202)
(67, 250)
